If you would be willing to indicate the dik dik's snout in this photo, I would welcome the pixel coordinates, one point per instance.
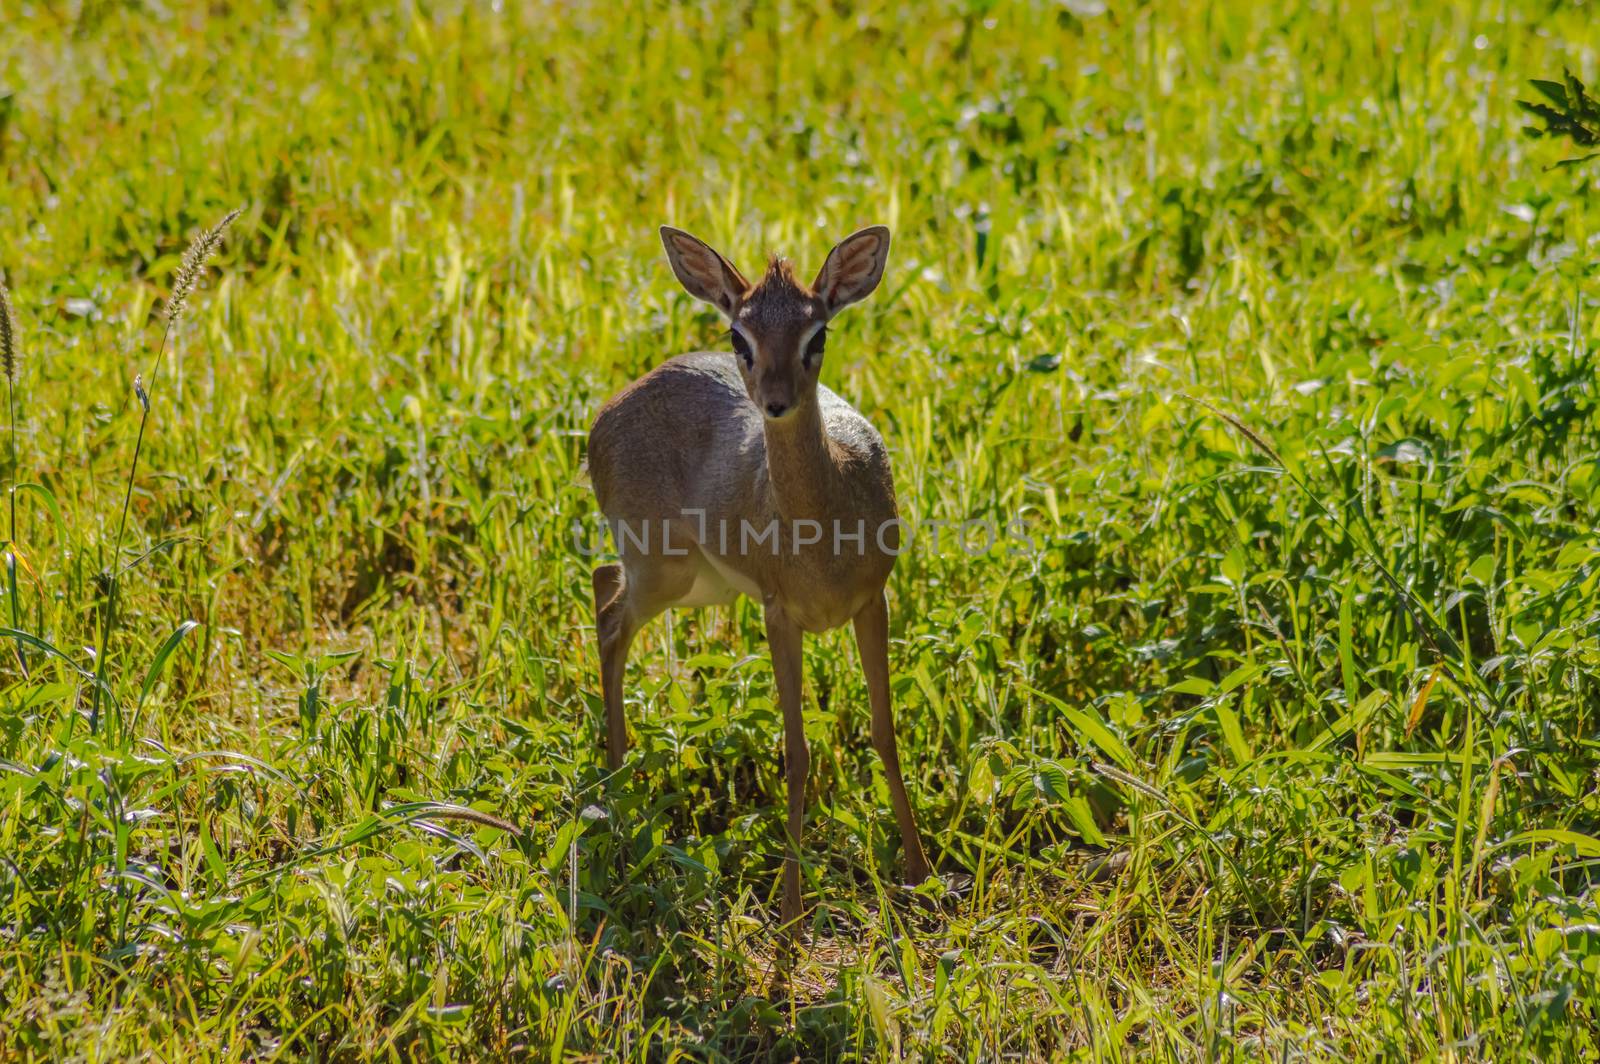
(775, 398)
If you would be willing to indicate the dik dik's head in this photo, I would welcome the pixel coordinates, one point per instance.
(779, 324)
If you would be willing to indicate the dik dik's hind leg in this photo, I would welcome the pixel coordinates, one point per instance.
(615, 627)
(626, 598)
(872, 641)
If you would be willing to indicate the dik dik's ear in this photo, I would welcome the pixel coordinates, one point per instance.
(703, 273)
(853, 269)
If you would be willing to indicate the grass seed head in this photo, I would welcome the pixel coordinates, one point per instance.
(1238, 423)
(8, 335)
(1128, 779)
(194, 263)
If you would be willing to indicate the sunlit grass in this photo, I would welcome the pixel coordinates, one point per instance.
(1268, 323)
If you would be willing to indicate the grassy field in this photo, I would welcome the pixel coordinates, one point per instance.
(1279, 738)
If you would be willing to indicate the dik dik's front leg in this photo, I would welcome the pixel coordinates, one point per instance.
(872, 642)
(786, 641)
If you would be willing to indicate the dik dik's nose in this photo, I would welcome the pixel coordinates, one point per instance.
(776, 409)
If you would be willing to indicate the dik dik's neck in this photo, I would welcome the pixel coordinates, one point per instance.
(801, 467)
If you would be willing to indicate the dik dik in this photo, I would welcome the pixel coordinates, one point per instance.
(747, 476)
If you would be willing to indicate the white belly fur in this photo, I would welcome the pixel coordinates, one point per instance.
(729, 579)
(716, 586)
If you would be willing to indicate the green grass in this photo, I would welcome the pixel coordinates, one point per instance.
(1265, 318)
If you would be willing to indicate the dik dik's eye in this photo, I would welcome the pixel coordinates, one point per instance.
(741, 347)
(814, 346)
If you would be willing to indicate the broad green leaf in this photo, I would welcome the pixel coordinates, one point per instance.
(1087, 723)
